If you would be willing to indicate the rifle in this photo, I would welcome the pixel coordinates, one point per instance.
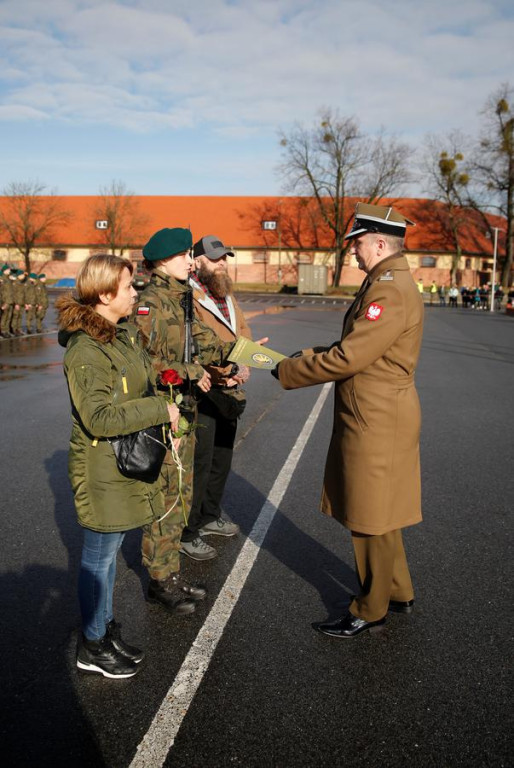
(186, 303)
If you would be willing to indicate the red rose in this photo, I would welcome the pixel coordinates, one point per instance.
(171, 377)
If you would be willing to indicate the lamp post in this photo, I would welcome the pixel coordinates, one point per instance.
(271, 225)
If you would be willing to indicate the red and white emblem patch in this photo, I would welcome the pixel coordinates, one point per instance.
(143, 310)
(374, 312)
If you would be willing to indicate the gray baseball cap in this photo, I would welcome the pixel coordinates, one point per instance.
(212, 247)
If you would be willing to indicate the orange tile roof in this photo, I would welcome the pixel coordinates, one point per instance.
(236, 220)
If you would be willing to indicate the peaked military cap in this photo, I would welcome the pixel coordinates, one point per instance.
(167, 242)
(378, 218)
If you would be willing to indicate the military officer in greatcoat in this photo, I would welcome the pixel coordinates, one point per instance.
(372, 474)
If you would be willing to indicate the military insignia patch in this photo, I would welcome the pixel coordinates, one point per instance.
(261, 359)
(386, 276)
(374, 312)
(143, 310)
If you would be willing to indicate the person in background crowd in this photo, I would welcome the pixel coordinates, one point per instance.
(484, 296)
(453, 294)
(218, 409)
(498, 297)
(41, 301)
(110, 382)
(18, 302)
(372, 475)
(420, 286)
(6, 301)
(160, 313)
(432, 291)
(30, 302)
(442, 296)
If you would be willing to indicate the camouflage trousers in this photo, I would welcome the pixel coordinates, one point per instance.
(160, 546)
(30, 319)
(40, 316)
(16, 319)
(5, 322)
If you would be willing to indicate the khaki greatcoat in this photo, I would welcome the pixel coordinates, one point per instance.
(372, 474)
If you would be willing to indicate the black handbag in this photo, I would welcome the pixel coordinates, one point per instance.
(140, 455)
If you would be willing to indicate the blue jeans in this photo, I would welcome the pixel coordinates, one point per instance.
(96, 580)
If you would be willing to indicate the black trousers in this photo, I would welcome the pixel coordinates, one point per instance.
(215, 438)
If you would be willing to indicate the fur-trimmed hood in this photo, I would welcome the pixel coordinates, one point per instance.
(74, 316)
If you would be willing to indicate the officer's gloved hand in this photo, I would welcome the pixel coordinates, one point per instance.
(297, 354)
(274, 372)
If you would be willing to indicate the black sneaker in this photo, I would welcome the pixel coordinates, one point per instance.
(101, 656)
(114, 634)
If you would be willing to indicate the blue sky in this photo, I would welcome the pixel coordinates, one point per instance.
(186, 97)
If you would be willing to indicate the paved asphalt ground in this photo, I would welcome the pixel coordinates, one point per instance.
(432, 690)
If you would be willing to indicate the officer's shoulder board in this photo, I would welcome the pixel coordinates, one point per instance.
(388, 275)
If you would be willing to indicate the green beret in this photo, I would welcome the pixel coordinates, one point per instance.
(41, 275)
(3, 268)
(167, 242)
(33, 275)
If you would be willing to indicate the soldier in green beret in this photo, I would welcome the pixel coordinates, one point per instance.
(161, 314)
(30, 302)
(18, 287)
(41, 301)
(6, 301)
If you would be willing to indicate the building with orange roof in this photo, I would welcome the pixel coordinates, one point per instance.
(268, 255)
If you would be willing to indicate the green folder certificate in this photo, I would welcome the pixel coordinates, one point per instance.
(247, 352)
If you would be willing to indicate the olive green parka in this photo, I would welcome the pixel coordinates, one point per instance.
(109, 375)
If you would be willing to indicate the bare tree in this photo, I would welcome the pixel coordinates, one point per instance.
(125, 222)
(29, 218)
(332, 161)
(448, 181)
(494, 166)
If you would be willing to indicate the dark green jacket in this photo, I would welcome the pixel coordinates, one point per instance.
(108, 373)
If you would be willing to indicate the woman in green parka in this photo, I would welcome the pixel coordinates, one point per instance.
(110, 381)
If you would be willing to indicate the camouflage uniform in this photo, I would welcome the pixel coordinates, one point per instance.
(18, 289)
(160, 316)
(30, 301)
(6, 301)
(41, 304)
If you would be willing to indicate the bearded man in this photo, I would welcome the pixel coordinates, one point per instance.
(218, 409)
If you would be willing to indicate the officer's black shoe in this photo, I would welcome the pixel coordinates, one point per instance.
(195, 592)
(349, 626)
(401, 606)
(170, 596)
(113, 631)
(101, 656)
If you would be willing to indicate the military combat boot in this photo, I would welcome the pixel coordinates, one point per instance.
(195, 592)
(101, 656)
(167, 593)
(129, 651)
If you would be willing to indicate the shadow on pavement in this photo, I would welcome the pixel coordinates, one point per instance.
(333, 579)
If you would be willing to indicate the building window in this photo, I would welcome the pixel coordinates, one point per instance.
(468, 264)
(304, 258)
(260, 257)
(428, 261)
(59, 255)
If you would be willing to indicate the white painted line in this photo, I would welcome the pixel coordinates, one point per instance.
(154, 748)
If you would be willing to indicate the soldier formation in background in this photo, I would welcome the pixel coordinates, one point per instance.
(21, 294)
